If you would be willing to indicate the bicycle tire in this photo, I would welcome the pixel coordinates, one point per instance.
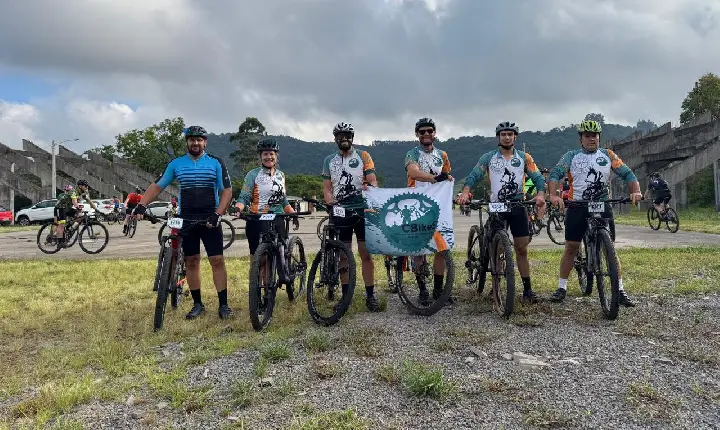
(254, 293)
(321, 226)
(585, 277)
(553, 221)
(501, 242)
(132, 228)
(439, 303)
(604, 243)
(390, 271)
(38, 240)
(229, 225)
(162, 280)
(652, 214)
(671, 214)
(160, 233)
(331, 246)
(538, 226)
(476, 274)
(89, 226)
(297, 271)
(178, 271)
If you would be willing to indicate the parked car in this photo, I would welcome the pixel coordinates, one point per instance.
(104, 206)
(6, 216)
(159, 209)
(39, 212)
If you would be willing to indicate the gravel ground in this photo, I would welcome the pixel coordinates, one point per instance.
(657, 366)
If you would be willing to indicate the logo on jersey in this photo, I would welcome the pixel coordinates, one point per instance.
(515, 162)
(354, 162)
(601, 161)
(409, 223)
(438, 162)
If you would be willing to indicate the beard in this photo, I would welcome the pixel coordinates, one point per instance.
(344, 145)
(195, 150)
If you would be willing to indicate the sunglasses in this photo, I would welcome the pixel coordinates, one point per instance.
(426, 131)
(343, 136)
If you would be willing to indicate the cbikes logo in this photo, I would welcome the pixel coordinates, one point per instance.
(354, 162)
(407, 221)
(601, 161)
(515, 162)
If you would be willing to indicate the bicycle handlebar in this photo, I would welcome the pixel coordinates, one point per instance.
(477, 205)
(586, 202)
(249, 215)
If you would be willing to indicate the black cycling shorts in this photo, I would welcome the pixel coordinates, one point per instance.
(349, 225)
(576, 222)
(518, 221)
(255, 228)
(662, 198)
(62, 214)
(211, 237)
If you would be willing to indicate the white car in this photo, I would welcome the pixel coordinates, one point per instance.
(104, 206)
(39, 212)
(159, 209)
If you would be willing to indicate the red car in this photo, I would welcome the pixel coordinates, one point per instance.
(5, 216)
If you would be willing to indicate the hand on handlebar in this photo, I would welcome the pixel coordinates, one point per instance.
(635, 198)
(558, 202)
(464, 197)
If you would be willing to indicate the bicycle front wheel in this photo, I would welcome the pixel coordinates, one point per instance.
(414, 292)
(502, 266)
(476, 264)
(162, 280)
(297, 268)
(132, 227)
(93, 234)
(555, 228)
(653, 218)
(330, 265)
(607, 275)
(321, 226)
(262, 286)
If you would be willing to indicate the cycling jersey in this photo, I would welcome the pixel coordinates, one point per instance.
(659, 186)
(433, 162)
(263, 192)
(589, 173)
(530, 189)
(200, 182)
(134, 199)
(507, 176)
(65, 199)
(347, 174)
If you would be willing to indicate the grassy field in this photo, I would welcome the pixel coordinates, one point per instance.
(705, 220)
(14, 228)
(74, 331)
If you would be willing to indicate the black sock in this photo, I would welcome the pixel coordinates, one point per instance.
(526, 284)
(222, 297)
(370, 290)
(196, 296)
(345, 288)
(438, 282)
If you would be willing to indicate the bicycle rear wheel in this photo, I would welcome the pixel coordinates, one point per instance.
(410, 293)
(228, 233)
(606, 275)
(297, 268)
(162, 280)
(672, 221)
(321, 226)
(502, 266)
(555, 228)
(262, 291)
(132, 227)
(390, 272)
(46, 241)
(93, 233)
(321, 295)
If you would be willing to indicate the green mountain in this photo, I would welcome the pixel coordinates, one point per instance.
(297, 156)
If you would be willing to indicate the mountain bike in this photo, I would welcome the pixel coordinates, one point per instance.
(669, 217)
(419, 301)
(535, 223)
(490, 250)
(227, 228)
(267, 264)
(321, 226)
(597, 245)
(556, 225)
(391, 263)
(334, 260)
(87, 228)
(131, 227)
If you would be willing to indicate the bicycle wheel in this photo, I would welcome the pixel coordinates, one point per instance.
(321, 226)
(132, 227)
(672, 221)
(475, 263)
(653, 218)
(322, 304)
(606, 275)
(297, 267)
(410, 293)
(502, 266)
(93, 233)
(46, 241)
(178, 279)
(162, 280)
(585, 278)
(262, 292)
(390, 271)
(555, 228)
(161, 230)
(228, 233)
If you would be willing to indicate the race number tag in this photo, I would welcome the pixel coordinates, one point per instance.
(596, 207)
(175, 223)
(497, 207)
(267, 217)
(339, 211)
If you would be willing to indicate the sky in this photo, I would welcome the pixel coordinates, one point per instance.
(91, 69)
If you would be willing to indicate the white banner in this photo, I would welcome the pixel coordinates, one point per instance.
(409, 221)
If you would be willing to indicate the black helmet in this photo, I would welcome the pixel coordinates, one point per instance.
(138, 189)
(506, 126)
(654, 175)
(424, 122)
(268, 145)
(544, 170)
(196, 131)
(83, 183)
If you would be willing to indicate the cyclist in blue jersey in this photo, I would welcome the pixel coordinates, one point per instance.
(205, 193)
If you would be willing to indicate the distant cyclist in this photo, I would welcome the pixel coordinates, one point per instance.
(661, 193)
(68, 206)
(205, 193)
(131, 202)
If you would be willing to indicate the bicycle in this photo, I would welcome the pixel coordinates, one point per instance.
(131, 226)
(87, 228)
(321, 226)
(227, 228)
(267, 257)
(669, 216)
(535, 224)
(390, 271)
(425, 276)
(490, 250)
(595, 244)
(556, 225)
(328, 261)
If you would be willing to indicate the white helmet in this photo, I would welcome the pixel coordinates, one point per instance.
(343, 127)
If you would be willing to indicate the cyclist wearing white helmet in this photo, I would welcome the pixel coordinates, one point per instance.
(346, 173)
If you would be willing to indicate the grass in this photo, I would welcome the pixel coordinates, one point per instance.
(16, 228)
(418, 379)
(705, 220)
(76, 331)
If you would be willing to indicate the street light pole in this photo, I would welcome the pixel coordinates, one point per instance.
(12, 197)
(54, 170)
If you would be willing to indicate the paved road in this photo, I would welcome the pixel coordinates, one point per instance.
(21, 245)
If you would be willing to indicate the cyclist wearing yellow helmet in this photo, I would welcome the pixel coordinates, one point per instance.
(588, 171)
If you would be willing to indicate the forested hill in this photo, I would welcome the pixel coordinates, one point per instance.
(297, 156)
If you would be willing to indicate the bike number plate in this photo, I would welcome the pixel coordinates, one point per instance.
(596, 207)
(175, 223)
(497, 207)
(339, 211)
(267, 217)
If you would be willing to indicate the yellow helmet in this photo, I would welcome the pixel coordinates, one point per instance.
(589, 126)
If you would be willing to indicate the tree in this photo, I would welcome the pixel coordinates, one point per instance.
(303, 185)
(247, 137)
(645, 125)
(595, 117)
(152, 149)
(704, 97)
(105, 151)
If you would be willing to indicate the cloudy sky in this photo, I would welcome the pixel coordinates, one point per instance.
(95, 68)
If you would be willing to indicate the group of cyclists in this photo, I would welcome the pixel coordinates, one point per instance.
(205, 193)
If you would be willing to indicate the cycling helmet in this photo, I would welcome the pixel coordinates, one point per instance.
(343, 127)
(589, 126)
(67, 188)
(424, 122)
(268, 145)
(138, 189)
(654, 175)
(82, 182)
(506, 126)
(196, 131)
(544, 170)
